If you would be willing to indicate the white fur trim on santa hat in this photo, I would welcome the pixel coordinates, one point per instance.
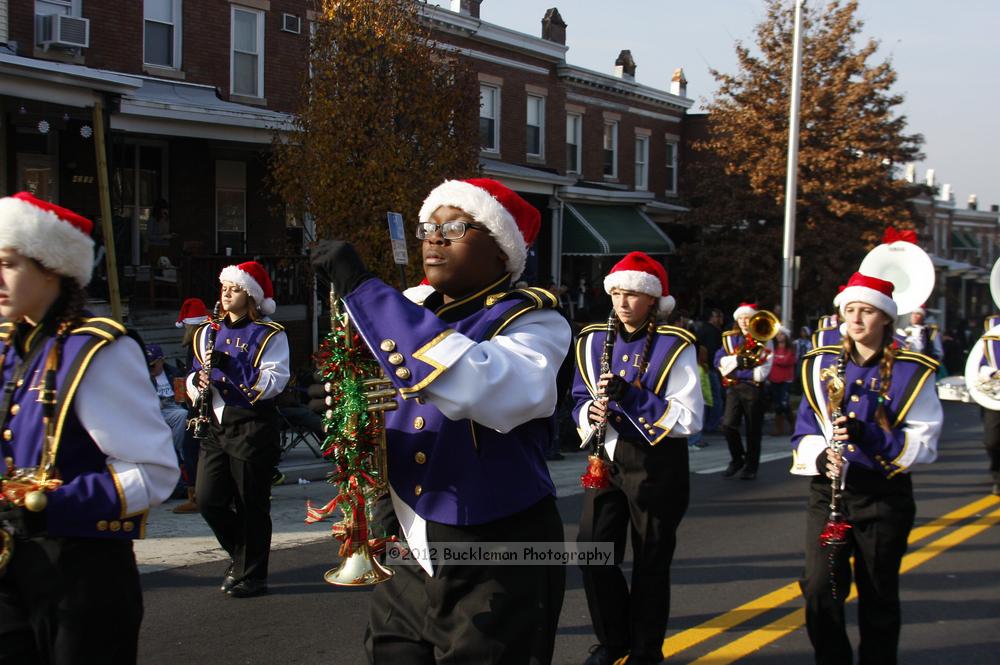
(665, 305)
(867, 296)
(41, 235)
(191, 321)
(249, 284)
(487, 211)
(743, 310)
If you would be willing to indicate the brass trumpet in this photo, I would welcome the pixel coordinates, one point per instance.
(762, 327)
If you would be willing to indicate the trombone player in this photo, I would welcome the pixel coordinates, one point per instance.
(744, 361)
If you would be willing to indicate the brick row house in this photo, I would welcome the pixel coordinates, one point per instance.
(190, 95)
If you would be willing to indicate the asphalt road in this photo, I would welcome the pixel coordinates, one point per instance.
(740, 550)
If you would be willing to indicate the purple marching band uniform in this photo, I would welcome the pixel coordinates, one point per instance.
(877, 496)
(827, 332)
(646, 443)
(466, 461)
(744, 403)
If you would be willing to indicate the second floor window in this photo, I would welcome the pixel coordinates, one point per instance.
(248, 52)
(611, 149)
(671, 163)
(641, 162)
(489, 118)
(574, 126)
(67, 7)
(162, 33)
(535, 134)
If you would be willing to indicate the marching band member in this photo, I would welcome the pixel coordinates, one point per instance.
(79, 398)
(476, 367)
(989, 369)
(651, 401)
(242, 361)
(891, 421)
(827, 331)
(744, 378)
(921, 337)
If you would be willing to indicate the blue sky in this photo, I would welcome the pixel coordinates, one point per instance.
(946, 55)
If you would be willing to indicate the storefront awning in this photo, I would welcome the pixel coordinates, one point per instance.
(598, 230)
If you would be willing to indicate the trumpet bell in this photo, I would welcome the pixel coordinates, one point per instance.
(908, 267)
(995, 283)
(986, 393)
(763, 326)
(359, 569)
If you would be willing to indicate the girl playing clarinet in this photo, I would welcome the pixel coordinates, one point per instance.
(886, 418)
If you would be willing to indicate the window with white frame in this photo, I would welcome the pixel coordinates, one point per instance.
(611, 149)
(68, 7)
(671, 170)
(535, 133)
(162, 33)
(489, 118)
(641, 162)
(247, 64)
(574, 132)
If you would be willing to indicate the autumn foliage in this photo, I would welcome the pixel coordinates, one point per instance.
(386, 115)
(852, 147)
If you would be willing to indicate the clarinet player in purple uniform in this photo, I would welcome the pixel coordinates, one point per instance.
(476, 367)
(886, 419)
(240, 367)
(649, 401)
(87, 450)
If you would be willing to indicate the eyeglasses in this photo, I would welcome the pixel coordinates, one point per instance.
(453, 230)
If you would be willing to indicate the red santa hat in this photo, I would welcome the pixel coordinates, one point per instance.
(57, 238)
(745, 309)
(252, 277)
(193, 312)
(638, 272)
(869, 290)
(512, 221)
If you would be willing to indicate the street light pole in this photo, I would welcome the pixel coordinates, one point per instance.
(792, 176)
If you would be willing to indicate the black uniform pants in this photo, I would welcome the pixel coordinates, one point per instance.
(70, 600)
(991, 440)
(881, 511)
(234, 497)
(744, 405)
(479, 614)
(648, 495)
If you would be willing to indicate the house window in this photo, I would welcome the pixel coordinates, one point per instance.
(574, 127)
(162, 33)
(68, 7)
(489, 118)
(230, 206)
(536, 126)
(641, 162)
(671, 163)
(611, 149)
(248, 52)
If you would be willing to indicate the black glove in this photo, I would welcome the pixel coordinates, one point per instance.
(855, 430)
(745, 362)
(337, 262)
(220, 359)
(616, 388)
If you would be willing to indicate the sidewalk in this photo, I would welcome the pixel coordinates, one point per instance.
(173, 540)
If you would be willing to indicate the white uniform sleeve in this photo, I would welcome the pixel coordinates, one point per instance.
(274, 367)
(763, 370)
(683, 393)
(118, 407)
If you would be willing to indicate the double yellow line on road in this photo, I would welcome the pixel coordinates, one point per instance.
(796, 619)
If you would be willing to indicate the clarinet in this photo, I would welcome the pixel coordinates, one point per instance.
(837, 525)
(199, 424)
(596, 475)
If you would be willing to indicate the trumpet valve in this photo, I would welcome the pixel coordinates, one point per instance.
(35, 501)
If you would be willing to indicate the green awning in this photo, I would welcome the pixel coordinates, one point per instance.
(963, 240)
(598, 230)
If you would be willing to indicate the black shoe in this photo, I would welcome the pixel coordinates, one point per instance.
(600, 655)
(996, 489)
(248, 589)
(228, 581)
(748, 474)
(733, 467)
(277, 478)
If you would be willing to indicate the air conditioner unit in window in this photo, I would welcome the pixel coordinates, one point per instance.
(65, 31)
(291, 23)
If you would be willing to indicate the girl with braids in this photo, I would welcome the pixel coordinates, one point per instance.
(82, 429)
(885, 412)
(651, 402)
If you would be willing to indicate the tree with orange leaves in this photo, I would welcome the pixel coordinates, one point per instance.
(386, 115)
(852, 147)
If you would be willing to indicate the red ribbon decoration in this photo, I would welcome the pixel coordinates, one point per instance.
(892, 235)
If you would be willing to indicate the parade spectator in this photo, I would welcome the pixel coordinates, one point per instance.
(697, 440)
(710, 336)
(70, 592)
(192, 314)
(881, 405)
(466, 456)
(780, 380)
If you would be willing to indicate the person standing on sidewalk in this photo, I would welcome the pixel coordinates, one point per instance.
(744, 394)
(710, 337)
(193, 313)
(780, 381)
(249, 369)
(650, 401)
(881, 404)
(82, 423)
